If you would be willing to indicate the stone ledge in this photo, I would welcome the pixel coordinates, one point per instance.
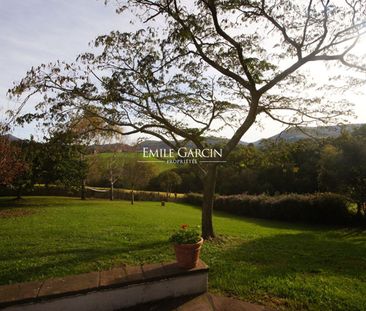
(116, 278)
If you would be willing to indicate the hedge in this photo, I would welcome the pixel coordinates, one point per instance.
(319, 208)
(118, 194)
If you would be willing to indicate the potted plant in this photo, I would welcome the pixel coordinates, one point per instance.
(187, 245)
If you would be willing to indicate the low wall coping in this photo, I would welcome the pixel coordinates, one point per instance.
(120, 276)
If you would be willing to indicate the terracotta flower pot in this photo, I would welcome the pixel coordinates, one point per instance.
(188, 254)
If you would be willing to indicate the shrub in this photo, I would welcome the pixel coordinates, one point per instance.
(119, 194)
(321, 208)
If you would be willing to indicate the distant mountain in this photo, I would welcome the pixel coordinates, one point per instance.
(156, 144)
(290, 135)
(152, 145)
(11, 137)
(294, 134)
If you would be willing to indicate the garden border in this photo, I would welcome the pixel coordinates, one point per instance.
(120, 287)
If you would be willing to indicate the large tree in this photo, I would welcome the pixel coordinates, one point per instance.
(136, 174)
(205, 65)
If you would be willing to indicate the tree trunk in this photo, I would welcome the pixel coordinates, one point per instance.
(19, 193)
(359, 211)
(83, 180)
(209, 183)
(132, 197)
(82, 192)
(111, 195)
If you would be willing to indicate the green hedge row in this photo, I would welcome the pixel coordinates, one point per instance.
(126, 195)
(118, 194)
(321, 208)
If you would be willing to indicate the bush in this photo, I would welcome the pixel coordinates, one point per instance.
(126, 195)
(320, 208)
(119, 194)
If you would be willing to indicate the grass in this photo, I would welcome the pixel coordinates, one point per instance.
(286, 266)
(159, 167)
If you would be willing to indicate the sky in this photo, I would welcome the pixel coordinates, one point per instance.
(38, 31)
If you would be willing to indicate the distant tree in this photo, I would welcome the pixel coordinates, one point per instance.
(91, 131)
(343, 169)
(136, 175)
(360, 133)
(191, 181)
(169, 181)
(352, 171)
(13, 166)
(241, 171)
(290, 166)
(61, 161)
(95, 175)
(113, 167)
(305, 155)
(328, 173)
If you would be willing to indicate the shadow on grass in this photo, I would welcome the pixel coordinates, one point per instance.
(305, 253)
(279, 224)
(292, 272)
(55, 263)
(272, 223)
(36, 202)
(29, 202)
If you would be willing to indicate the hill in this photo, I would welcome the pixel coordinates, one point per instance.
(11, 137)
(293, 134)
(156, 144)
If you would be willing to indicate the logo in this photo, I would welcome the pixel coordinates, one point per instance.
(183, 155)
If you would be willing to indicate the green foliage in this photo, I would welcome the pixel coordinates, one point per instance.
(190, 181)
(343, 168)
(321, 208)
(306, 166)
(137, 174)
(98, 168)
(185, 235)
(59, 160)
(169, 180)
(273, 167)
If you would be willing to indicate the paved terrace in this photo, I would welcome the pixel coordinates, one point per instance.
(161, 286)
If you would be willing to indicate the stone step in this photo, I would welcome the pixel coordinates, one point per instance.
(117, 288)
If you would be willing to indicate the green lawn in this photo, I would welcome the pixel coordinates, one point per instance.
(291, 267)
(159, 167)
